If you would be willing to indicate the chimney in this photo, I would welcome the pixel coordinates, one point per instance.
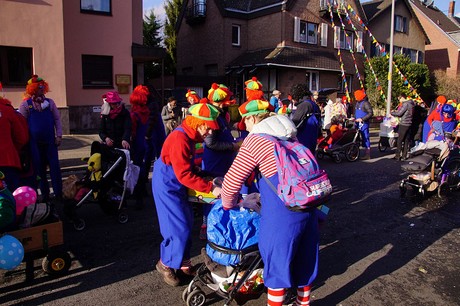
(451, 12)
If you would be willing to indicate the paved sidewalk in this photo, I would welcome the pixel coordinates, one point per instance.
(72, 149)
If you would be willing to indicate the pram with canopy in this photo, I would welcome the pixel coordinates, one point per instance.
(110, 175)
(433, 166)
(232, 265)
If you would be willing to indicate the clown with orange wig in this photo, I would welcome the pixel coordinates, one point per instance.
(45, 131)
(173, 173)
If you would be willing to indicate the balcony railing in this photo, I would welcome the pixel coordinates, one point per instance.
(196, 13)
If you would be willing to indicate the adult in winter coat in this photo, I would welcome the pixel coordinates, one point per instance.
(363, 113)
(306, 117)
(45, 132)
(405, 112)
(173, 173)
(13, 137)
(115, 128)
(288, 240)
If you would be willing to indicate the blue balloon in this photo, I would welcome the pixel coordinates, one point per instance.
(11, 252)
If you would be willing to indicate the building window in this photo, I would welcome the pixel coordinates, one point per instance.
(15, 65)
(305, 32)
(341, 83)
(199, 7)
(397, 50)
(343, 39)
(400, 24)
(419, 57)
(236, 31)
(312, 79)
(97, 71)
(103, 7)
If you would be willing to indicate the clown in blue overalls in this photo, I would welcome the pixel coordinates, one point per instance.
(173, 173)
(288, 240)
(45, 131)
(363, 113)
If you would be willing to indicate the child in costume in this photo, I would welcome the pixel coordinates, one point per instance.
(173, 173)
(288, 240)
(45, 132)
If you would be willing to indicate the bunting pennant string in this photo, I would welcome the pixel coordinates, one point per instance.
(384, 53)
(339, 54)
(355, 30)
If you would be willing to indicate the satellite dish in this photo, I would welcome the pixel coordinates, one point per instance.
(427, 3)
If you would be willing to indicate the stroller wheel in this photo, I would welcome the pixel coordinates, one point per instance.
(319, 154)
(337, 158)
(79, 224)
(352, 152)
(443, 190)
(421, 191)
(382, 147)
(185, 294)
(402, 189)
(123, 217)
(196, 298)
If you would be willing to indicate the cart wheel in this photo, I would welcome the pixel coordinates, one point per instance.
(402, 189)
(382, 147)
(352, 153)
(443, 190)
(185, 294)
(56, 263)
(319, 154)
(337, 158)
(123, 218)
(79, 224)
(196, 298)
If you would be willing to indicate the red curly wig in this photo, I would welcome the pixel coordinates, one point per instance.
(32, 86)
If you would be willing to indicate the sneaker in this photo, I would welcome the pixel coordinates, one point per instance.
(203, 232)
(169, 276)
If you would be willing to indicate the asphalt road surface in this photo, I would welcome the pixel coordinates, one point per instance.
(376, 249)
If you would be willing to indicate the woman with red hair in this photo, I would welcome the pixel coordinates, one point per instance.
(139, 124)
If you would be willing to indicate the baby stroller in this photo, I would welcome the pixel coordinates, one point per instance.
(232, 265)
(110, 174)
(346, 146)
(434, 166)
(388, 137)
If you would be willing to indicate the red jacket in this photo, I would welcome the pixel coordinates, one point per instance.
(14, 135)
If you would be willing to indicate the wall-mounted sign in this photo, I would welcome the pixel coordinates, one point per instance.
(123, 79)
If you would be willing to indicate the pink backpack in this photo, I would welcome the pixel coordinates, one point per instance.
(301, 183)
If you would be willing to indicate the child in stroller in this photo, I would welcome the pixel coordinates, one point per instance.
(433, 166)
(232, 263)
(110, 174)
(343, 139)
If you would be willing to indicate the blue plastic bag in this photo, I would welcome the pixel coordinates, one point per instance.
(234, 229)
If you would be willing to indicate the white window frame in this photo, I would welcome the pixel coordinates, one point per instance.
(400, 24)
(324, 28)
(302, 31)
(341, 38)
(236, 42)
(312, 79)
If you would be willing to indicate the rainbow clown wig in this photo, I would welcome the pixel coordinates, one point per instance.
(33, 84)
(219, 93)
(253, 89)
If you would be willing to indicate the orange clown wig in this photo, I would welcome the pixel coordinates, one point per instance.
(33, 84)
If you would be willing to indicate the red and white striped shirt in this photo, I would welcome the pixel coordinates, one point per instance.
(256, 151)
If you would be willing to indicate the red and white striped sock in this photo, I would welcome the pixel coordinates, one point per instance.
(303, 295)
(275, 297)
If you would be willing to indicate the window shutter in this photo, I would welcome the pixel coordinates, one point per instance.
(336, 37)
(359, 45)
(296, 29)
(324, 27)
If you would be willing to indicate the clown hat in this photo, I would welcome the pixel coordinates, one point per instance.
(193, 95)
(253, 107)
(219, 93)
(205, 112)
